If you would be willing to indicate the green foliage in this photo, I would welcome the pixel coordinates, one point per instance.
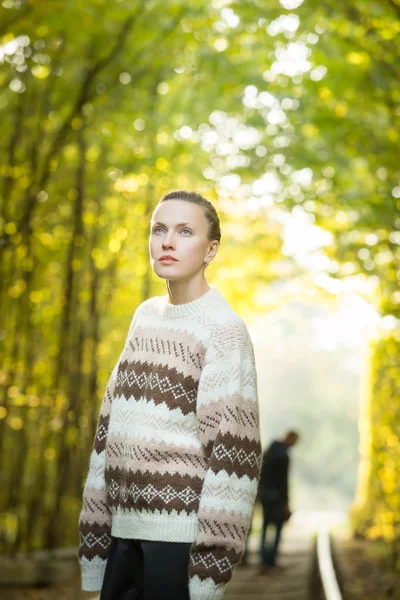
(376, 513)
(104, 107)
(350, 136)
(92, 116)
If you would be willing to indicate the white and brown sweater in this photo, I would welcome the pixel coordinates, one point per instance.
(177, 450)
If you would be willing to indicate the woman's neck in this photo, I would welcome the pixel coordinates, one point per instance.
(182, 292)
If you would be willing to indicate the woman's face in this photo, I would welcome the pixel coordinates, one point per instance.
(179, 229)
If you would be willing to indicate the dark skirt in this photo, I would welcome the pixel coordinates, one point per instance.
(143, 570)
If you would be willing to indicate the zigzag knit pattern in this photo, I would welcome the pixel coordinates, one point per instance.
(177, 453)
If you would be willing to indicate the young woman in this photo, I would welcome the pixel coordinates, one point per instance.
(175, 464)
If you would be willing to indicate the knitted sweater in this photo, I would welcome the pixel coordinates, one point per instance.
(177, 452)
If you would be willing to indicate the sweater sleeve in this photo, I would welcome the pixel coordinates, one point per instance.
(95, 516)
(228, 424)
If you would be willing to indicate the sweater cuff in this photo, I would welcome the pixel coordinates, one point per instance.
(205, 589)
(92, 573)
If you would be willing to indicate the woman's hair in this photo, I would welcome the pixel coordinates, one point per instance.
(211, 215)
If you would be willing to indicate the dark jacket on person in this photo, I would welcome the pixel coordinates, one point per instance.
(273, 482)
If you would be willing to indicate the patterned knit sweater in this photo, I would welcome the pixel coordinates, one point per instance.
(177, 451)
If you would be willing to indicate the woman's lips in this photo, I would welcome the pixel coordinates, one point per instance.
(167, 261)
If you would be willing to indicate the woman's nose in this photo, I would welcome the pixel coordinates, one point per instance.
(168, 241)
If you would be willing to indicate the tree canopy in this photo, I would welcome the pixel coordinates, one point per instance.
(267, 108)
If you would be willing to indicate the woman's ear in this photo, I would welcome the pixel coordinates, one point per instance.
(213, 248)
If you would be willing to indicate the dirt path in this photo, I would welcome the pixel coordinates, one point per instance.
(365, 570)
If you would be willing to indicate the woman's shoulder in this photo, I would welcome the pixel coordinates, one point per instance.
(230, 331)
(227, 321)
(149, 305)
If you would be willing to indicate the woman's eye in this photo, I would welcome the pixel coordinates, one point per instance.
(161, 229)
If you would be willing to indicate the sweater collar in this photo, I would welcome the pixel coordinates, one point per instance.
(203, 304)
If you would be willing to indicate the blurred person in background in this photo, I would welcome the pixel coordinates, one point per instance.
(273, 495)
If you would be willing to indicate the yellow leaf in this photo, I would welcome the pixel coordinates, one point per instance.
(341, 109)
(310, 130)
(162, 164)
(41, 71)
(358, 58)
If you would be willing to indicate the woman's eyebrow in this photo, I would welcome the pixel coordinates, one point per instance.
(177, 225)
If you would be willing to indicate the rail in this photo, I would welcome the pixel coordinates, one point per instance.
(325, 564)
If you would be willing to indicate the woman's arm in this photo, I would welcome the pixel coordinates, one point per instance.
(228, 422)
(95, 517)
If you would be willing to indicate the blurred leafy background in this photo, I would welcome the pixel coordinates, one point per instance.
(286, 115)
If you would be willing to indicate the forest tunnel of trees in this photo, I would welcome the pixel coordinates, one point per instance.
(267, 108)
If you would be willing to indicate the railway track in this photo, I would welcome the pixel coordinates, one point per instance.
(327, 576)
(306, 567)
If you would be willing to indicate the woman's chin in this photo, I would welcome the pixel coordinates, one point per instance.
(165, 274)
